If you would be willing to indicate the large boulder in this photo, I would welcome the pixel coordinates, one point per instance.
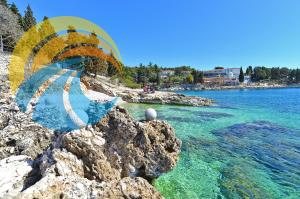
(140, 149)
(117, 158)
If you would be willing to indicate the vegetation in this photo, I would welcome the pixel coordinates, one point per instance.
(10, 29)
(276, 74)
(241, 76)
(13, 24)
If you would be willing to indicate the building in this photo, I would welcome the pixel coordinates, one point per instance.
(166, 73)
(221, 75)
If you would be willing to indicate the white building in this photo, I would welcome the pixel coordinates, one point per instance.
(166, 73)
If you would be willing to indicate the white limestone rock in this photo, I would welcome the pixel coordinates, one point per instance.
(13, 172)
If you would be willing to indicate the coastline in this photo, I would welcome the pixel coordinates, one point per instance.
(254, 86)
(104, 85)
(118, 157)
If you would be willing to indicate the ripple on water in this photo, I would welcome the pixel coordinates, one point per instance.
(269, 149)
(195, 116)
(249, 160)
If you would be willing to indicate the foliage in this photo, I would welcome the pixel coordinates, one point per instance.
(181, 69)
(297, 78)
(4, 3)
(275, 73)
(28, 20)
(190, 79)
(249, 71)
(10, 30)
(198, 77)
(241, 76)
(15, 10)
(260, 73)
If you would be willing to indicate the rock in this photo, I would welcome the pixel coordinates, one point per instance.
(147, 148)
(118, 157)
(150, 114)
(19, 135)
(13, 173)
(80, 188)
(101, 84)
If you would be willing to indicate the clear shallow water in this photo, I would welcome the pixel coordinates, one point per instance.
(247, 146)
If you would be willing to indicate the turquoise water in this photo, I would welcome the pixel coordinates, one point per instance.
(247, 146)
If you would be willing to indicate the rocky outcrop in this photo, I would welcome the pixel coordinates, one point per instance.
(13, 173)
(102, 84)
(18, 134)
(167, 98)
(116, 158)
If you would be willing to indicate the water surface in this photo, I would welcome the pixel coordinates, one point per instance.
(247, 146)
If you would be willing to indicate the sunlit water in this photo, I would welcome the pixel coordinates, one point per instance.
(247, 146)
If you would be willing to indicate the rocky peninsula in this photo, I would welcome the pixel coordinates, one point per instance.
(105, 85)
(118, 157)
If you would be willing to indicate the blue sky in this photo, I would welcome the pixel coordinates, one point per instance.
(199, 33)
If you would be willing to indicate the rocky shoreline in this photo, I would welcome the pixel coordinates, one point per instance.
(243, 86)
(103, 85)
(118, 157)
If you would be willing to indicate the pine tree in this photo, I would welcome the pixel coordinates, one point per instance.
(4, 3)
(47, 29)
(201, 77)
(111, 69)
(298, 76)
(15, 10)
(241, 76)
(157, 71)
(249, 70)
(10, 30)
(29, 20)
(292, 75)
(195, 76)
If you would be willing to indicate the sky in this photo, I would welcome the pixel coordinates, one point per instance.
(198, 33)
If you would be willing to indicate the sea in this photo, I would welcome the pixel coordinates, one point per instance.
(247, 145)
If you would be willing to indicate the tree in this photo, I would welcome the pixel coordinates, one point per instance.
(249, 70)
(28, 20)
(284, 73)
(201, 77)
(157, 71)
(275, 73)
(190, 79)
(241, 76)
(259, 74)
(4, 3)
(15, 10)
(10, 30)
(292, 75)
(198, 76)
(47, 29)
(111, 69)
(298, 75)
(195, 76)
